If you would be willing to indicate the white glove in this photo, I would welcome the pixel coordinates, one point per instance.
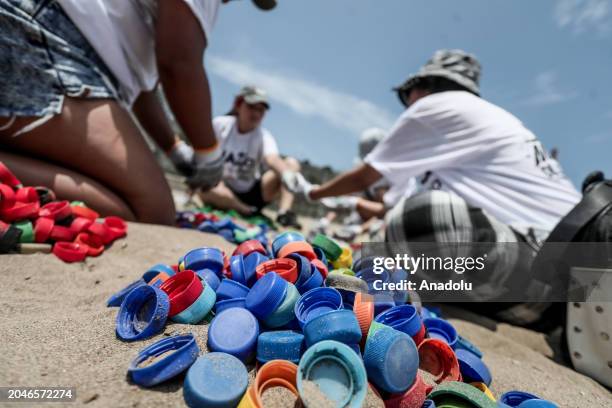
(208, 168)
(181, 157)
(340, 202)
(297, 184)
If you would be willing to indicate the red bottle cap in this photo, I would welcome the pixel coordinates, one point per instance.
(248, 247)
(42, 229)
(438, 358)
(285, 268)
(183, 289)
(7, 177)
(93, 242)
(20, 211)
(70, 251)
(117, 226)
(80, 224)
(60, 233)
(7, 196)
(85, 212)
(102, 231)
(26, 195)
(58, 210)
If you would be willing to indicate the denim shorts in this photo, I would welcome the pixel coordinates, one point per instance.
(43, 58)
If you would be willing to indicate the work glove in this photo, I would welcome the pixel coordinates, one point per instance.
(181, 156)
(295, 183)
(340, 202)
(208, 169)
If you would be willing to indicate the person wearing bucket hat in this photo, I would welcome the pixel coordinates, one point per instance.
(253, 165)
(482, 174)
(75, 95)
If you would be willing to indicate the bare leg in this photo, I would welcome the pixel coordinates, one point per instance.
(98, 139)
(223, 198)
(271, 186)
(67, 185)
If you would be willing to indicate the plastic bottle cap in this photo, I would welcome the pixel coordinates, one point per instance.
(215, 380)
(338, 325)
(363, 307)
(283, 239)
(280, 345)
(116, 225)
(237, 269)
(7, 197)
(210, 277)
(116, 299)
(153, 271)
(286, 268)
(337, 372)
(57, 210)
(316, 302)
(83, 211)
(185, 353)
(298, 247)
(101, 230)
(330, 247)
(515, 398)
(472, 368)
(304, 268)
(250, 264)
(441, 329)
(266, 295)
(250, 246)
(314, 281)
(414, 397)
(27, 231)
(284, 312)
(78, 224)
(346, 282)
(230, 289)
(464, 344)
(61, 233)
(234, 331)
(460, 392)
(229, 303)
(142, 314)
(483, 387)
(159, 279)
(321, 267)
(403, 318)
(537, 403)
(391, 360)
(205, 258)
(94, 244)
(274, 373)
(183, 289)
(198, 309)
(436, 357)
(70, 251)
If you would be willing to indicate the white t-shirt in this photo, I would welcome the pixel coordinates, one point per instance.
(123, 33)
(244, 152)
(458, 142)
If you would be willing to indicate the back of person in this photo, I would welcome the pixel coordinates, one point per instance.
(459, 142)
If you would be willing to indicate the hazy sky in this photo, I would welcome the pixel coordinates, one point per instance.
(329, 66)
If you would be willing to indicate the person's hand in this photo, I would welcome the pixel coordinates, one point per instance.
(296, 183)
(208, 169)
(340, 202)
(181, 157)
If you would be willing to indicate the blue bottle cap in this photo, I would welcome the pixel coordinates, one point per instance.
(234, 331)
(284, 312)
(198, 310)
(382, 302)
(209, 277)
(204, 258)
(229, 303)
(116, 299)
(266, 295)
(230, 289)
(537, 403)
(250, 265)
(391, 360)
(403, 318)
(215, 380)
(280, 345)
(316, 302)
(142, 314)
(155, 270)
(336, 370)
(304, 268)
(464, 344)
(320, 254)
(428, 404)
(338, 325)
(283, 239)
(237, 269)
(515, 398)
(473, 369)
(368, 275)
(207, 226)
(314, 281)
(185, 353)
(441, 329)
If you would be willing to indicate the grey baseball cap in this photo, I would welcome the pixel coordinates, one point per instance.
(265, 4)
(254, 95)
(455, 65)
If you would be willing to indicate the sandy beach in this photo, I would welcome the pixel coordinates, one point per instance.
(57, 331)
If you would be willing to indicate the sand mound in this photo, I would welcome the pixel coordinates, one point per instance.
(56, 331)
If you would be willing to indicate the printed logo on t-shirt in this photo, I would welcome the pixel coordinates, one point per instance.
(239, 165)
(549, 166)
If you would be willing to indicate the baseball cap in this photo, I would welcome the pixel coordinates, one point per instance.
(254, 95)
(265, 4)
(455, 65)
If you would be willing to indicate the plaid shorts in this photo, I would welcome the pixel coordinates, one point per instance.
(443, 217)
(43, 58)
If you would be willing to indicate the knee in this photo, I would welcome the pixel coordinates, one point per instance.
(293, 164)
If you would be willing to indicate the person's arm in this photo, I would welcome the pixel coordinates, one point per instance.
(152, 118)
(353, 181)
(180, 43)
(276, 163)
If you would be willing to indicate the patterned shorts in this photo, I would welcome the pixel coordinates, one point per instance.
(43, 58)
